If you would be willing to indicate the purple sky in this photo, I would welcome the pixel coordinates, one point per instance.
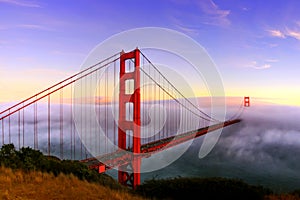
(255, 44)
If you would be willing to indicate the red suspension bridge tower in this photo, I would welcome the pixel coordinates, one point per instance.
(25, 125)
(127, 123)
(247, 101)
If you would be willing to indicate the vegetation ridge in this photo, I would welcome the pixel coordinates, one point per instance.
(28, 174)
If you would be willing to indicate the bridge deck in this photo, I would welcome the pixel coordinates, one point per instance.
(122, 157)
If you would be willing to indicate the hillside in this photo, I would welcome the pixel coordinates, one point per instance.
(209, 188)
(37, 185)
(28, 174)
(16, 184)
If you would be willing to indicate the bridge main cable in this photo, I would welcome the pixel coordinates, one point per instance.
(55, 85)
(208, 117)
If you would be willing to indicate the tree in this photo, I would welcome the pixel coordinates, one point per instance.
(30, 159)
(8, 156)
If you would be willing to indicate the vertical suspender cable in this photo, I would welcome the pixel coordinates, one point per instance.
(49, 125)
(94, 110)
(159, 132)
(2, 131)
(154, 102)
(61, 125)
(71, 124)
(164, 106)
(98, 109)
(90, 128)
(23, 122)
(81, 118)
(9, 136)
(19, 130)
(106, 104)
(85, 117)
(34, 125)
(74, 132)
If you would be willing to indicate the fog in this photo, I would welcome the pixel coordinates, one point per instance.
(263, 149)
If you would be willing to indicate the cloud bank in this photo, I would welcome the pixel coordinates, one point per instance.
(264, 149)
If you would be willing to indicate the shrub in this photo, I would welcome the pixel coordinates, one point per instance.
(28, 159)
(210, 188)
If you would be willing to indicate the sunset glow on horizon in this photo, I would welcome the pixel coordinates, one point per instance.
(254, 44)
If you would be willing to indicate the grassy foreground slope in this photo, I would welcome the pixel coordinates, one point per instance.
(28, 174)
(16, 184)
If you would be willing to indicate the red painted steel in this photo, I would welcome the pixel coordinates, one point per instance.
(124, 177)
(127, 155)
(121, 158)
(247, 101)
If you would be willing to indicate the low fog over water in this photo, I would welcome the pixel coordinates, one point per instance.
(263, 149)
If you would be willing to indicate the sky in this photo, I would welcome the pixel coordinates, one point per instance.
(254, 44)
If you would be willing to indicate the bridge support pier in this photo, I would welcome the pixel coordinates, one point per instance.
(130, 100)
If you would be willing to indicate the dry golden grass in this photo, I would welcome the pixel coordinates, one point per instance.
(282, 197)
(37, 185)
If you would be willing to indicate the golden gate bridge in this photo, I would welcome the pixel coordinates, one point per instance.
(114, 97)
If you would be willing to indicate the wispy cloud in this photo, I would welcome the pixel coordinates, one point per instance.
(187, 30)
(21, 3)
(40, 72)
(287, 32)
(255, 65)
(33, 27)
(272, 60)
(276, 33)
(62, 53)
(26, 26)
(272, 45)
(294, 34)
(204, 12)
(215, 15)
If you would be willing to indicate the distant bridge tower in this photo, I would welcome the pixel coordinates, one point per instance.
(130, 100)
(247, 101)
